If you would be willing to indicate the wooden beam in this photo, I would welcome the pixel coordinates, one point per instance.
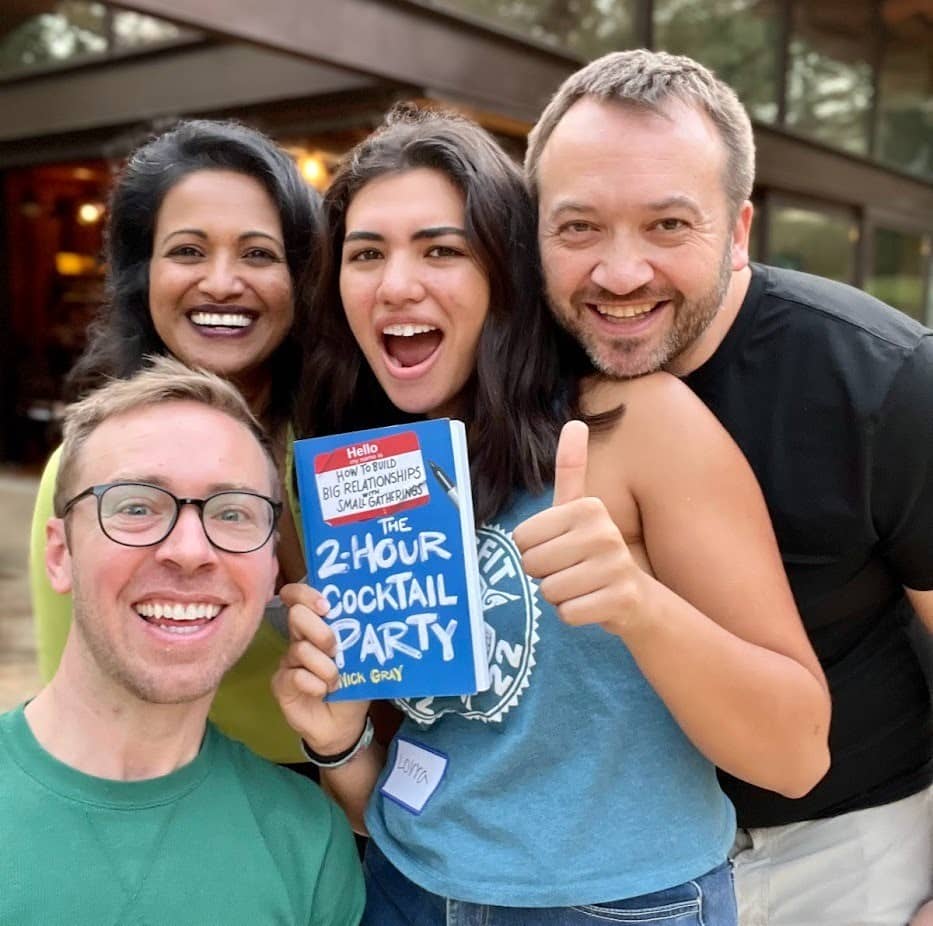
(896, 11)
(196, 79)
(794, 165)
(391, 39)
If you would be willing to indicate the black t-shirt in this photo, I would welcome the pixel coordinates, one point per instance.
(829, 393)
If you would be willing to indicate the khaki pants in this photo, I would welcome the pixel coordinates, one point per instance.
(866, 868)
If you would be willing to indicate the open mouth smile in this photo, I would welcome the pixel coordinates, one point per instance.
(410, 346)
(227, 322)
(183, 618)
(624, 312)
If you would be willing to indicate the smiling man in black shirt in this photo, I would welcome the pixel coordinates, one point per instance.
(642, 165)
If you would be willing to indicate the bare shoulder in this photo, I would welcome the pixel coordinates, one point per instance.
(656, 406)
(672, 444)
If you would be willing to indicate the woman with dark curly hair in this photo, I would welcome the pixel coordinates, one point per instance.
(209, 233)
(639, 627)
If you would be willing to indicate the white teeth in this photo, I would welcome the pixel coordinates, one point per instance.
(220, 320)
(406, 331)
(625, 311)
(177, 611)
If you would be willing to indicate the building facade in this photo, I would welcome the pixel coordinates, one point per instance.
(840, 91)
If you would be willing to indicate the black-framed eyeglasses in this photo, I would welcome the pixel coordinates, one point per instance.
(139, 514)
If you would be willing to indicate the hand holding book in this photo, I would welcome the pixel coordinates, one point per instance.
(307, 672)
(390, 544)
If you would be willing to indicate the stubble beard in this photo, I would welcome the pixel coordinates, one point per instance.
(627, 358)
(151, 684)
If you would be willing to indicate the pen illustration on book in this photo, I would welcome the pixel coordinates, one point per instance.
(396, 561)
(449, 488)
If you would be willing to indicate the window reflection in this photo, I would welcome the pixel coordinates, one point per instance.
(588, 28)
(738, 39)
(905, 117)
(68, 30)
(72, 31)
(813, 240)
(134, 29)
(897, 270)
(829, 79)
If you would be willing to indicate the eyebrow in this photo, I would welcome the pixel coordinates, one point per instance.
(439, 232)
(569, 205)
(200, 233)
(678, 201)
(212, 489)
(434, 232)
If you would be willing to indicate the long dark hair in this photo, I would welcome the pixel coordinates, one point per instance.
(124, 334)
(523, 388)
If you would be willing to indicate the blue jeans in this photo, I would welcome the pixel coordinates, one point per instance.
(393, 900)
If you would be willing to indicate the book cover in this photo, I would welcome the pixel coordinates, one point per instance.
(389, 536)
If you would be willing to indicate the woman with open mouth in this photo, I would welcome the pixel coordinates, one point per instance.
(650, 634)
(209, 229)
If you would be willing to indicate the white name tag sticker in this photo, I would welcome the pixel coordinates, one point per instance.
(416, 775)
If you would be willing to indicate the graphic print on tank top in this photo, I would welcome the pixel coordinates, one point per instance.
(511, 616)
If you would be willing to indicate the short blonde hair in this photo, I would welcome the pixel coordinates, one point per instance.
(651, 79)
(163, 380)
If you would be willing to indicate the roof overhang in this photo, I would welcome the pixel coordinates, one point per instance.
(394, 40)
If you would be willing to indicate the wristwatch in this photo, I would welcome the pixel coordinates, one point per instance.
(340, 758)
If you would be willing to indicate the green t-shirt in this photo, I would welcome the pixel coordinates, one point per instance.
(243, 707)
(227, 840)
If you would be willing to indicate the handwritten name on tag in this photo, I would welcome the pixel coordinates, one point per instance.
(415, 776)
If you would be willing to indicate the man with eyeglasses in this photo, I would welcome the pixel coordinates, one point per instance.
(119, 802)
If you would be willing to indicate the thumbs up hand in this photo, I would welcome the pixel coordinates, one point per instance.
(570, 463)
(576, 550)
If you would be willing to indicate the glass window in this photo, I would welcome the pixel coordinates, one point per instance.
(929, 309)
(829, 78)
(69, 29)
(55, 285)
(738, 39)
(132, 30)
(812, 239)
(905, 117)
(72, 31)
(588, 28)
(897, 271)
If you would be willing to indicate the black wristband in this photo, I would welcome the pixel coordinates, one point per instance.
(340, 758)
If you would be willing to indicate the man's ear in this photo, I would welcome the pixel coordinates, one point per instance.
(57, 556)
(741, 232)
(274, 577)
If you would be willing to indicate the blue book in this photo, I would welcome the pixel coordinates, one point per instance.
(390, 542)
